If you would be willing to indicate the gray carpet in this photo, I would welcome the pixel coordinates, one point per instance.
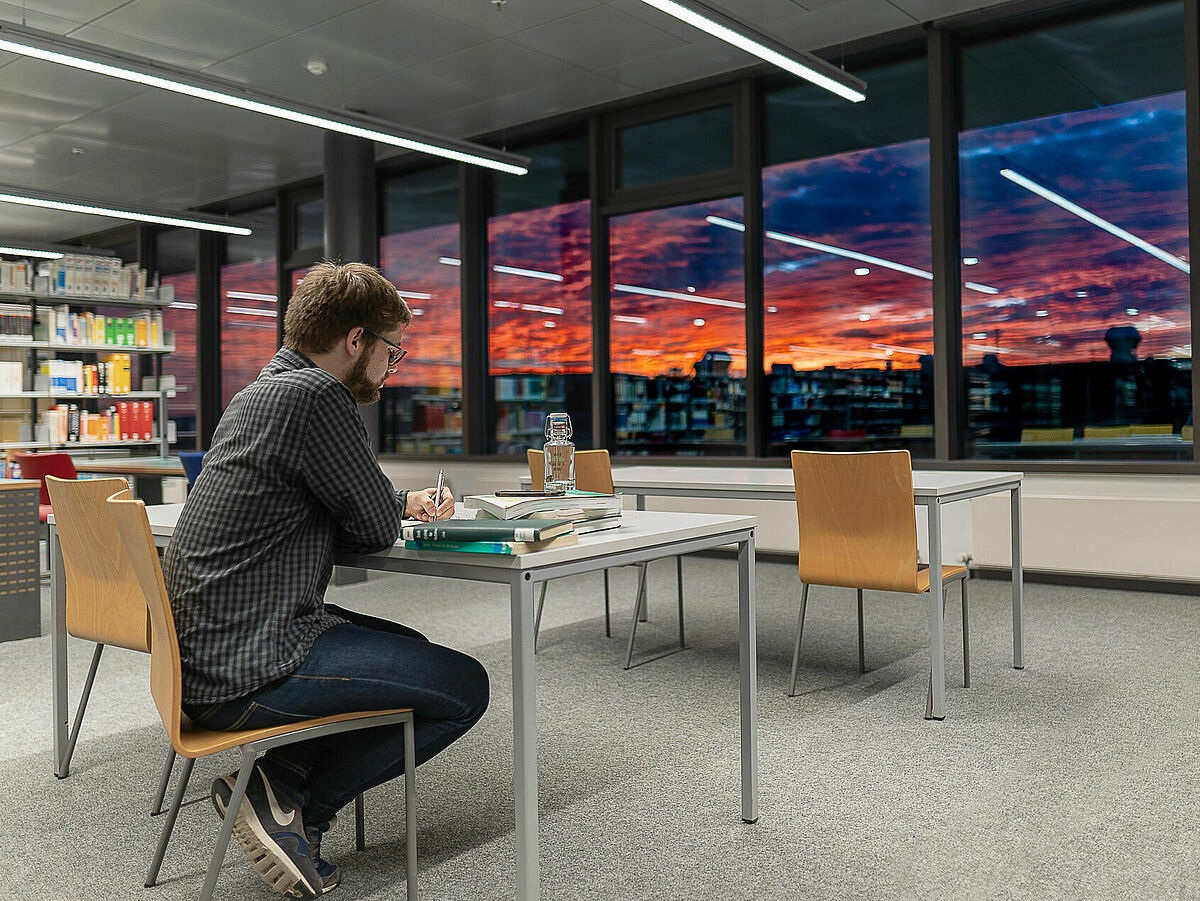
(1075, 778)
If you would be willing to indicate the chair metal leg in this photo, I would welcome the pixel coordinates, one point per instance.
(638, 605)
(607, 613)
(235, 801)
(83, 701)
(410, 810)
(799, 634)
(966, 639)
(537, 619)
(862, 652)
(679, 592)
(168, 825)
(360, 823)
(163, 782)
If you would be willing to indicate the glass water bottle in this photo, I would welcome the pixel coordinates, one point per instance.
(559, 453)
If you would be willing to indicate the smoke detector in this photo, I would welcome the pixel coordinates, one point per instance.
(316, 66)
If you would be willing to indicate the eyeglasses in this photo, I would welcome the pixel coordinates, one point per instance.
(396, 353)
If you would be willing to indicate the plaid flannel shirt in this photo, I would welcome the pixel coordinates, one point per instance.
(290, 480)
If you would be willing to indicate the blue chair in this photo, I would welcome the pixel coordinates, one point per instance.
(192, 462)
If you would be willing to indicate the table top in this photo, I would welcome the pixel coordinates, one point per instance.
(156, 466)
(639, 530)
(776, 482)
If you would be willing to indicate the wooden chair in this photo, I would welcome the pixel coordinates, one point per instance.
(858, 529)
(191, 742)
(1162, 428)
(1108, 431)
(104, 602)
(593, 472)
(1033, 436)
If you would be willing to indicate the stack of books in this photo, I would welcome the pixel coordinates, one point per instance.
(589, 511)
(489, 536)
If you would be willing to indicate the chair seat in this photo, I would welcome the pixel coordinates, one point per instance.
(198, 742)
(44, 510)
(949, 574)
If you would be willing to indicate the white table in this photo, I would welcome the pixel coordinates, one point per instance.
(931, 489)
(642, 537)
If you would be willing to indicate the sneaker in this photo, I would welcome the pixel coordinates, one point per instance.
(330, 873)
(272, 835)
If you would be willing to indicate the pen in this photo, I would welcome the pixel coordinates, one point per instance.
(437, 495)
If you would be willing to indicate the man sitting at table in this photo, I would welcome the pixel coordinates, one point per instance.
(290, 480)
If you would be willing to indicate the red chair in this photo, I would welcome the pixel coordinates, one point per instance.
(38, 466)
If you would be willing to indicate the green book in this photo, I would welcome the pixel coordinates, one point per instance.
(486, 530)
(493, 547)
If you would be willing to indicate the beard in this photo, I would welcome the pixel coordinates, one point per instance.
(365, 390)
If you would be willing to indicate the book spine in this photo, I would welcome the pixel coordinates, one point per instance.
(453, 533)
(468, 547)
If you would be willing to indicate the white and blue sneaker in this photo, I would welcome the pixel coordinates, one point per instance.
(271, 831)
(330, 873)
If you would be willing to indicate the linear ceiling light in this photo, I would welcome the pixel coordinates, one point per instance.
(677, 295)
(25, 197)
(69, 52)
(843, 252)
(1087, 216)
(804, 65)
(39, 252)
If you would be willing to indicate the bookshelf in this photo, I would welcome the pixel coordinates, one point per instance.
(77, 336)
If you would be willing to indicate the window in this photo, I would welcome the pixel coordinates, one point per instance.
(539, 299)
(309, 223)
(848, 305)
(1076, 301)
(248, 304)
(175, 251)
(419, 253)
(678, 330)
(700, 142)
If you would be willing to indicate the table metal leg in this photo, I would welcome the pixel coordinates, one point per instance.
(1018, 582)
(748, 658)
(937, 599)
(524, 737)
(645, 608)
(58, 653)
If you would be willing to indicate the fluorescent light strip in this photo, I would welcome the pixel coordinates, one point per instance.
(678, 295)
(538, 308)
(246, 311)
(91, 58)
(990, 349)
(842, 252)
(632, 320)
(40, 254)
(250, 295)
(528, 273)
(837, 352)
(181, 305)
(803, 65)
(896, 348)
(450, 261)
(9, 194)
(415, 295)
(1088, 216)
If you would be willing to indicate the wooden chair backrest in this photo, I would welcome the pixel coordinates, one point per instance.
(1162, 428)
(1186, 432)
(1108, 431)
(166, 680)
(593, 470)
(858, 524)
(104, 602)
(1034, 435)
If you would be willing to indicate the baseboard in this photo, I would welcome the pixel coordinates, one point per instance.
(1093, 580)
(1043, 576)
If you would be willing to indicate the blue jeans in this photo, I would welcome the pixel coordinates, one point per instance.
(366, 664)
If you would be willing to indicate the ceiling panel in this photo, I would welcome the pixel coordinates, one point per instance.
(597, 38)
(298, 14)
(501, 67)
(509, 18)
(54, 15)
(400, 35)
(699, 60)
(409, 96)
(842, 22)
(57, 94)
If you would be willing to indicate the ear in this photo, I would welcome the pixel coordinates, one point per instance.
(355, 341)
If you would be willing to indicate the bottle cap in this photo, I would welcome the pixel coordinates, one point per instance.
(558, 425)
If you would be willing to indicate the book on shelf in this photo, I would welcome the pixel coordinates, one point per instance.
(517, 507)
(494, 547)
(486, 530)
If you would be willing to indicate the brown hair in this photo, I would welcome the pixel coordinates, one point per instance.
(334, 298)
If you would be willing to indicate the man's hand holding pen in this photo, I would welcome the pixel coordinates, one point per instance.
(421, 505)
